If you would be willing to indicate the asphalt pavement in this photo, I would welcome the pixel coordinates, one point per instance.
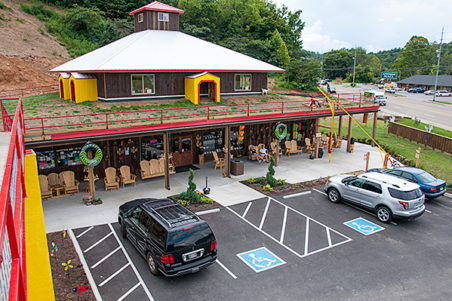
(295, 248)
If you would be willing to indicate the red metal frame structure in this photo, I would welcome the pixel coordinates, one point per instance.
(13, 280)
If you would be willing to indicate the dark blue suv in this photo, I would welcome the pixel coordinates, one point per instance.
(174, 240)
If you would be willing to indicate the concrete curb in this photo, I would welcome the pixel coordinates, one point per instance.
(449, 195)
(208, 211)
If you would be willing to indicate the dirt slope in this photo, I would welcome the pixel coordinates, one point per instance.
(27, 50)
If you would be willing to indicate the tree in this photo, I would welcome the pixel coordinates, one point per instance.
(303, 74)
(417, 57)
(338, 63)
(282, 56)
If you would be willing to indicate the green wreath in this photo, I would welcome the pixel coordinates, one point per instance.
(84, 156)
(281, 131)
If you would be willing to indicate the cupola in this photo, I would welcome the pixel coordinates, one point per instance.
(156, 16)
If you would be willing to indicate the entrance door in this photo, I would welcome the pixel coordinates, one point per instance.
(182, 150)
(61, 89)
(72, 91)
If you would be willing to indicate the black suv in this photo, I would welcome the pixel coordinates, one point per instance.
(174, 240)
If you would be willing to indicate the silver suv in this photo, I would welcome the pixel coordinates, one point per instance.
(390, 197)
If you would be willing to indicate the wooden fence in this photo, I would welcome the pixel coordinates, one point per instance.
(435, 141)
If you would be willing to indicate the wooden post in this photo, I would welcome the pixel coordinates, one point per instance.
(227, 155)
(365, 116)
(339, 132)
(366, 158)
(317, 122)
(166, 152)
(374, 129)
(418, 156)
(349, 137)
(92, 188)
(317, 138)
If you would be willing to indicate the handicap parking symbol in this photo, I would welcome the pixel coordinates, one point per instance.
(363, 226)
(260, 259)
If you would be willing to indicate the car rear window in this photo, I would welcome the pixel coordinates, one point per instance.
(405, 195)
(189, 236)
(425, 177)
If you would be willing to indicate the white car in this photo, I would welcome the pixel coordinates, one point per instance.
(429, 92)
(443, 93)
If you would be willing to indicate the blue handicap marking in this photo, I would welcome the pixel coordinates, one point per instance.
(260, 259)
(363, 226)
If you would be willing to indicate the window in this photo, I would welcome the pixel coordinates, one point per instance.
(409, 177)
(426, 177)
(164, 17)
(405, 195)
(135, 217)
(357, 183)
(371, 186)
(143, 84)
(143, 222)
(397, 173)
(140, 18)
(242, 82)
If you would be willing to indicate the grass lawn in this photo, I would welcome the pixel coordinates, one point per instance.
(421, 126)
(436, 162)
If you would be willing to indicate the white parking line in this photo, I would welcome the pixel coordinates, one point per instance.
(247, 208)
(98, 242)
(347, 239)
(306, 237)
(88, 274)
(265, 214)
(296, 194)
(114, 274)
(105, 258)
(146, 290)
(84, 232)
(226, 269)
(128, 292)
(319, 191)
(428, 211)
(283, 229)
(328, 235)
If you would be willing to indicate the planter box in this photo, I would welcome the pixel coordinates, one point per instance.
(237, 168)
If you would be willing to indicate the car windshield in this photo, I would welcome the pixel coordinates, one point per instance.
(190, 236)
(426, 177)
(405, 195)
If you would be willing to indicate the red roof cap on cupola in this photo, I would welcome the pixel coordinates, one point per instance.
(158, 6)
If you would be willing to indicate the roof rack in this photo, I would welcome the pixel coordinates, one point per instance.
(173, 214)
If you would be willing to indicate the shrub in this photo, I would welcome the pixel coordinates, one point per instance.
(182, 202)
(267, 188)
(190, 194)
(270, 174)
(259, 179)
(206, 200)
(281, 182)
(251, 180)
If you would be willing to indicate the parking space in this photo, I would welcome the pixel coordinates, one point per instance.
(290, 248)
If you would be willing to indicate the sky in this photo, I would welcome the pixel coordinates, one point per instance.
(374, 25)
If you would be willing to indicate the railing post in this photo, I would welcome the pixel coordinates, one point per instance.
(248, 110)
(282, 107)
(106, 120)
(208, 113)
(161, 116)
(360, 100)
(42, 125)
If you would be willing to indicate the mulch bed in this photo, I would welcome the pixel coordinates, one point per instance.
(292, 188)
(201, 207)
(65, 281)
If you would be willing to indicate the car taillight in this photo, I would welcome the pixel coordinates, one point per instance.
(166, 259)
(433, 189)
(213, 245)
(404, 204)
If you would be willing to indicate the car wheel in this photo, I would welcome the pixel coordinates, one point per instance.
(333, 195)
(384, 214)
(152, 264)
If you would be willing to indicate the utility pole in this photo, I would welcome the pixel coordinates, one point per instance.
(437, 66)
(354, 66)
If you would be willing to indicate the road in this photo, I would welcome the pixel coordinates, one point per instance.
(411, 105)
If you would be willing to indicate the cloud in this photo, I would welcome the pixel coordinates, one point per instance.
(316, 40)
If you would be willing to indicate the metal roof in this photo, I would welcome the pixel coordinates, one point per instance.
(428, 80)
(164, 51)
(158, 6)
(82, 76)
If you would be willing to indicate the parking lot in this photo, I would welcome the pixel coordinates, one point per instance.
(293, 248)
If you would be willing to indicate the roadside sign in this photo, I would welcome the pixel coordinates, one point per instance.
(363, 226)
(389, 75)
(260, 259)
